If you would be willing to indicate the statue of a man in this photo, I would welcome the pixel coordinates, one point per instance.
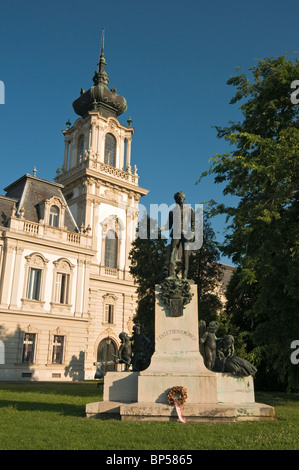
(182, 223)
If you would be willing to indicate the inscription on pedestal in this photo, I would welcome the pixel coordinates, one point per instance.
(175, 332)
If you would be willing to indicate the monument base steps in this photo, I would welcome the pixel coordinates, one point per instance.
(192, 413)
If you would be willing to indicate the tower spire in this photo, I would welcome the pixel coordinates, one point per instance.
(99, 97)
(102, 57)
(103, 39)
(101, 75)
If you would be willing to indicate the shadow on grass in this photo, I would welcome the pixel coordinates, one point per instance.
(66, 399)
(64, 409)
(277, 398)
(57, 388)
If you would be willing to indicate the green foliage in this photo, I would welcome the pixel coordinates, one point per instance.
(148, 258)
(206, 272)
(263, 232)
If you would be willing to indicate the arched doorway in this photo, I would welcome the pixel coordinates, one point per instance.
(107, 350)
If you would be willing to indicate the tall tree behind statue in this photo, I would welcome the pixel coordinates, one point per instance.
(263, 235)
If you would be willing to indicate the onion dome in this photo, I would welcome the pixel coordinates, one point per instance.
(99, 97)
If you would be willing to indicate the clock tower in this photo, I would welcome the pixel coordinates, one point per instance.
(102, 190)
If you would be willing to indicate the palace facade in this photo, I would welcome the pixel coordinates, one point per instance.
(65, 289)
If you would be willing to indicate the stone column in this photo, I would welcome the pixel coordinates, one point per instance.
(7, 269)
(66, 154)
(79, 288)
(16, 278)
(86, 288)
(128, 155)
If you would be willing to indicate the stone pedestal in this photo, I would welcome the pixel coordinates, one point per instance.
(177, 362)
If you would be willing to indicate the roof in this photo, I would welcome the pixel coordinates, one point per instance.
(6, 208)
(29, 193)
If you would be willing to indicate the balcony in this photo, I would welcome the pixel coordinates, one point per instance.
(100, 167)
(47, 232)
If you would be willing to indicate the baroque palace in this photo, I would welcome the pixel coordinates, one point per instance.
(65, 290)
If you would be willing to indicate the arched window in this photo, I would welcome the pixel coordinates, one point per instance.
(80, 149)
(111, 243)
(62, 282)
(107, 350)
(34, 286)
(110, 150)
(54, 216)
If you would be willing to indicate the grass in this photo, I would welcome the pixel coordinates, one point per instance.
(51, 416)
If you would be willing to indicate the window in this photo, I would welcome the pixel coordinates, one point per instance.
(58, 346)
(110, 150)
(111, 243)
(29, 348)
(109, 313)
(62, 288)
(62, 284)
(34, 284)
(35, 278)
(54, 216)
(107, 350)
(80, 149)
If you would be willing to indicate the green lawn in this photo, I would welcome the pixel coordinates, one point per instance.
(40, 416)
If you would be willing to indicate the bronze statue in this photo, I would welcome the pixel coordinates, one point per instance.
(208, 340)
(218, 353)
(182, 223)
(227, 362)
(125, 350)
(142, 349)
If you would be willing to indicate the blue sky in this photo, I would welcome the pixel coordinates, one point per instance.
(169, 59)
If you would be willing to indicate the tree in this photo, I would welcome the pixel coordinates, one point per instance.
(205, 270)
(148, 258)
(263, 231)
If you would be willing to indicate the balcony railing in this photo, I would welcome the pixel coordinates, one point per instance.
(47, 232)
(101, 167)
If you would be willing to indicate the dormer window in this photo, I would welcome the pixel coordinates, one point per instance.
(54, 216)
(110, 150)
(52, 212)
